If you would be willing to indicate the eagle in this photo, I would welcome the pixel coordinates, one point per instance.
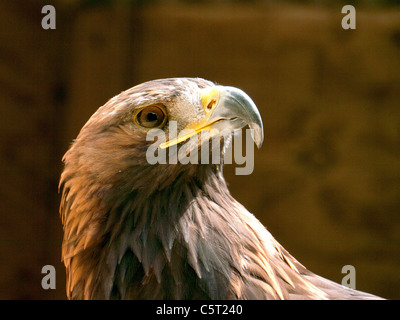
(140, 230)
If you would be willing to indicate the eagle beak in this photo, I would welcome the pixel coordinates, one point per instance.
(226, 108)
(234, 105)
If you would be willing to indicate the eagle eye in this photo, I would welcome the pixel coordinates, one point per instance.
(151, 117)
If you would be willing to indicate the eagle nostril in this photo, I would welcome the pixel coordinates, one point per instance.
(211, 104)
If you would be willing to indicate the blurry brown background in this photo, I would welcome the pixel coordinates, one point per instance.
(327, 179)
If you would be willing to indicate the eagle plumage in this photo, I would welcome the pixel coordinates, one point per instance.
(134, 230)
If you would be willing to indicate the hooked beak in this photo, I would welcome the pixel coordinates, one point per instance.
(226, 108)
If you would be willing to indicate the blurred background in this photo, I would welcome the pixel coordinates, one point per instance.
(327, 179)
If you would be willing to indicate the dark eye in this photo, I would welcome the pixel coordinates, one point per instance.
(151, 116)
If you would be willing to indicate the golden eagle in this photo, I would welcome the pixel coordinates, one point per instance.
(135, 230)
